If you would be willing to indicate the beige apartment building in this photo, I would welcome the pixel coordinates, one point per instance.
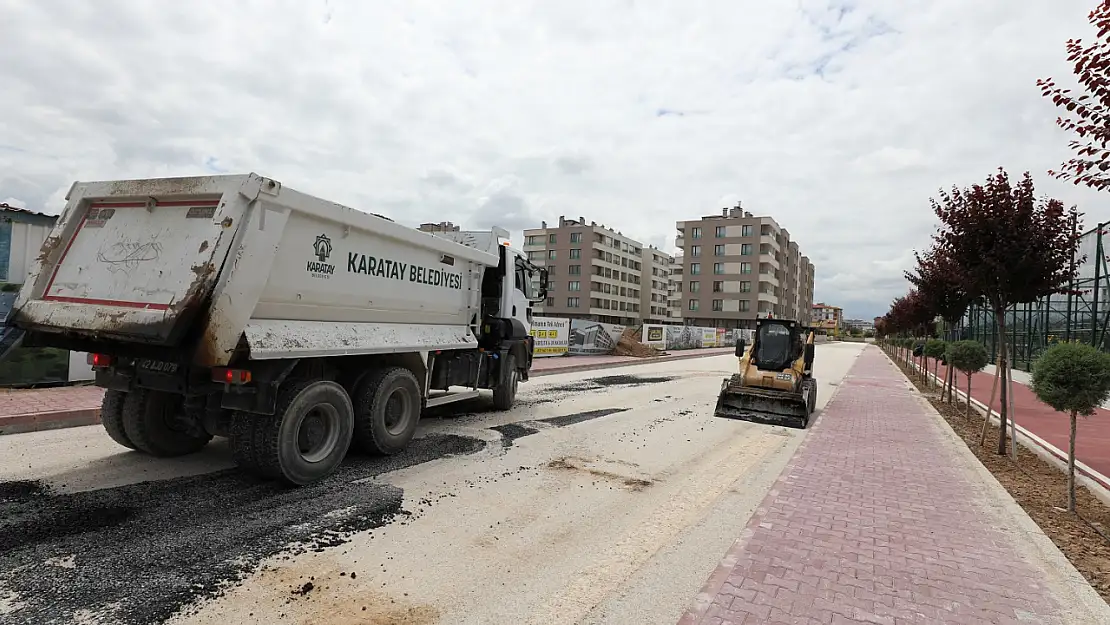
(655, 280)
(595, 272)
(737, 267)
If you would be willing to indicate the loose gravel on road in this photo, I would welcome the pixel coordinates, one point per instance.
(140, 553)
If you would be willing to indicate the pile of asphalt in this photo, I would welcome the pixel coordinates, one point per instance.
(139, 553)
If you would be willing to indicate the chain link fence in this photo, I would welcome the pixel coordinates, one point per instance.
(1081, 317)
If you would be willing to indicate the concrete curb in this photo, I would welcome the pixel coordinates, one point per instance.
(59, 419)
(1028, 537)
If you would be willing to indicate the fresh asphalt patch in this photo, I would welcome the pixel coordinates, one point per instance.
(139, 553)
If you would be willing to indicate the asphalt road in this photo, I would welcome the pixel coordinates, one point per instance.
(603, 497)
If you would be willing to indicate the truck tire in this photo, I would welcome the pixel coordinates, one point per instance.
(504, 394)
(111, 417)
(305, 439)
(387, 411)
(151, 421)
(811, 399)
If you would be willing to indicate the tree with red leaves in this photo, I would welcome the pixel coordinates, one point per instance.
(1091, 110)
(938, 281)
(1007, 247)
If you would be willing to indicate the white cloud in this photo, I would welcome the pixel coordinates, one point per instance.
(838, 118)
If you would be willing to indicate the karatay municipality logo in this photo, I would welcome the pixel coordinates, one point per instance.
(320, 268)
(322, 247)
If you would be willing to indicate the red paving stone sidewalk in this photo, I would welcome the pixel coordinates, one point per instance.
(859, 529)
(33, 410)
(1092, 444)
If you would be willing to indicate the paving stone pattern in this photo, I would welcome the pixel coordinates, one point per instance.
(872, 522)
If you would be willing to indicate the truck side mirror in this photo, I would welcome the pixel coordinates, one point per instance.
(542, 296)
(741, 347)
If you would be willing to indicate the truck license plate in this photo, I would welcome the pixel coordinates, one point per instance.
(157, 366)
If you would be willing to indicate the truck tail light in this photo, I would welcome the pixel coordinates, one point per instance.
(236, 377)
(100, 361)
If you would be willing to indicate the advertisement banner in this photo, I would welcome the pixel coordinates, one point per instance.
(709, 337)
(654, 336)
(593, 337)
(552, 336)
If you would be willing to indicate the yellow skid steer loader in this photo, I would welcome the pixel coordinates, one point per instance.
(775, 385)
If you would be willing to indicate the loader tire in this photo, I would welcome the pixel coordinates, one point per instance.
(504, 394)
(111, 417)
(387, 411)
(151, 421)
(811, 400)
(305, 439)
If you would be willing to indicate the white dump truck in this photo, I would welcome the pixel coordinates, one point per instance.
(296, 327)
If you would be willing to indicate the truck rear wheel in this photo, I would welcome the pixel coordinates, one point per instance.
(152, 421)
(111, 417)
(387, 411)
(305, 439)
(504, 394)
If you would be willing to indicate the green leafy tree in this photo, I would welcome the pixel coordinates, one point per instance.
(934, 348)
(968, 357)
(1073, 378)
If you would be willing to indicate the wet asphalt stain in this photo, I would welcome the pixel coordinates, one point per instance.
(579, 417)
(512, 431)
(142, 552)
(543, 395)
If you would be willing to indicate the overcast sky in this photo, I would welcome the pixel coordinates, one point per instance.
(838, 118)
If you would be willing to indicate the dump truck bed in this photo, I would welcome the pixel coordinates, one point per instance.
(207, 262)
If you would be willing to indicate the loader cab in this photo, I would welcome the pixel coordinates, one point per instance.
(777, 344)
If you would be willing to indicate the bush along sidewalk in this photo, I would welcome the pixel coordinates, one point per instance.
(1073, 378)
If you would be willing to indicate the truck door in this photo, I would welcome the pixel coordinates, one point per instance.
(521, 294)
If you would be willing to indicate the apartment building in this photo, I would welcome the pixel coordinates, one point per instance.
(594, 272)
(674, 291)
(655, 280)
(828, 318)
(738, 267)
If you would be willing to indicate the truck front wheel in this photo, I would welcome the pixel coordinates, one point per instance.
(387, 409)
(305, 439)
(153, 422)
(504, 394)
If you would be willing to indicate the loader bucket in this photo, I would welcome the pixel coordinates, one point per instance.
(765, 406)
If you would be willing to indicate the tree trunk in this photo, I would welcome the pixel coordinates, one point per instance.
(1071, 466)
(936, 369)
(967, 407)
(1003, 368)
(949, 380)
(1013, 416)
(990, 407)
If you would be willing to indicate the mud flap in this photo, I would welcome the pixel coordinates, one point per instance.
(764, 406)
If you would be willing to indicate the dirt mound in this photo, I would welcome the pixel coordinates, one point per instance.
(630, 345)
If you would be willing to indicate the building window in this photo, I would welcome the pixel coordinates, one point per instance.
(694, 287)
(720, 232)
(551, 239)
(718, 305)
(747, 231)
(576, 237)
(718, 250)
(745, 249)
(574, 270)
(718, 286)
(551, 301)
(572, 302)
(745, 287)
(574, 285)
(745, 267)
(718, 268)
(745, 305)
(695, 250)
(693, 304)
(551, 253)
(575, 253)
(695, 233)
(695, 269)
